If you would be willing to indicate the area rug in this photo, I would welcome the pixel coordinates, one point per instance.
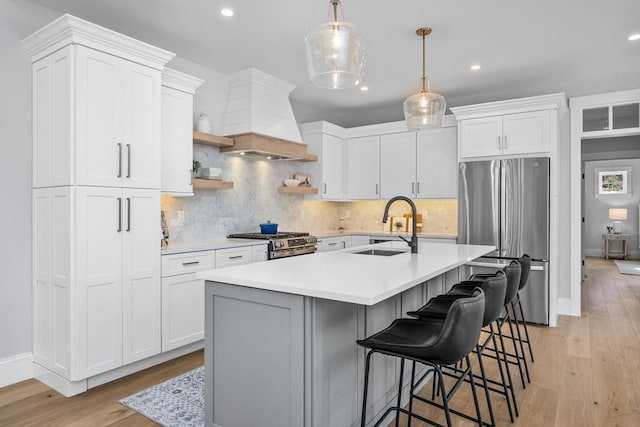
(628, 267)
(176, 402)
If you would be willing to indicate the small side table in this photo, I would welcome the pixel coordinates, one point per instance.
(623, 238)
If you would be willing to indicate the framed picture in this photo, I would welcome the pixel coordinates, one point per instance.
(612, 182)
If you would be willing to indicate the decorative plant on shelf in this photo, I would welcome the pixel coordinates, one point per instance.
(398, 225)
(195, 169)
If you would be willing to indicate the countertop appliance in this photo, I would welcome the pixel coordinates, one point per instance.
(283, 244)
(505, 203)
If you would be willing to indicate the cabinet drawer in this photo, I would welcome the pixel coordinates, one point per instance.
(187, 263)
(233, 256)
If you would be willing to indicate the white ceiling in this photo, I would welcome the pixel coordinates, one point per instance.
(525, 47)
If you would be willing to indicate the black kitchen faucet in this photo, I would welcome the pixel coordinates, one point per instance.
(413, 243)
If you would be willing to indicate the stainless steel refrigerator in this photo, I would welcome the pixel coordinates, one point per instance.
(505, 203)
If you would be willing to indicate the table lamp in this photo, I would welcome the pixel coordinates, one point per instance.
(617, 214)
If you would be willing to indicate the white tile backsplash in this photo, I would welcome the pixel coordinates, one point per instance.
(213, 214)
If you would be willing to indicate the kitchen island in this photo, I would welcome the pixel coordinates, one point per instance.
(280, 336)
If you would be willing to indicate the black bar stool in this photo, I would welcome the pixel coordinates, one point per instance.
(494, 288)
(512, 271)
(525, 264)
(433, 343)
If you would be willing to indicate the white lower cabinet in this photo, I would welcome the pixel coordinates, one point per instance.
(259, 253)
(183, 293)
(182, 298)
(97, 302)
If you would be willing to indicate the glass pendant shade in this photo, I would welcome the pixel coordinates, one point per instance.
(424, 110)
(336, 54)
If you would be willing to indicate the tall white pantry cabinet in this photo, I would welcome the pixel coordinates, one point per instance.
(96, 199)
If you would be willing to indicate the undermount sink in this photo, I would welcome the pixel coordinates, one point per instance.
(380, 252)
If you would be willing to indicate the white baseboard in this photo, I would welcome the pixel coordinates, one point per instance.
(71, 388)
(564, 307)
(597, 253)
(16, 368)
(61, 385)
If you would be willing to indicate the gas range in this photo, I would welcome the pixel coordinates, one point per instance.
(283, 244)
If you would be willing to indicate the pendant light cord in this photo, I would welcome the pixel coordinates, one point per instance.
(424, 61)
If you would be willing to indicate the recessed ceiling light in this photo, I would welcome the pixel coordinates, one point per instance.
(364, 88)
(226, 12)
(475, 67)
(634, 37)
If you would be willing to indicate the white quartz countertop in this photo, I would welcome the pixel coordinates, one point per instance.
(349, 277)
(183, 247)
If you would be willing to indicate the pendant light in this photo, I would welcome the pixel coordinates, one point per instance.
(336, 53)
(425, 109)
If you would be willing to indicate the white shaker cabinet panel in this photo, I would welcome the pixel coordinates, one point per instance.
(182, 310)
(141, 127)
(53, 119)
(481, 137)
(259, 253)
(332, 167)
(177, 132)
(100, 141)
(526, 132)
(398, 165)
(99, 280)
(363, 168)
(118, 119)
(437, 164)
(141, 274)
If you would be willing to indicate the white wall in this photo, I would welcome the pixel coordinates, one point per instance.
(17, 20)
(596, 207)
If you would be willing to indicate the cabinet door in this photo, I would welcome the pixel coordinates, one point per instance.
(259, 253)
(526, 132)
(177, 141)
(437, 164)
(332, 167)
(99, 115)
(481, 137)
(398, 165)
(98, 324)
(141, 274)
(363, 168)
(182, 310)
(141, 138)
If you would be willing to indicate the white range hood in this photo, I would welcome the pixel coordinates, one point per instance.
(260, 118)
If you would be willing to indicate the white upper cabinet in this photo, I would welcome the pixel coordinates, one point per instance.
(363, 168)
(398, 165)
(118, 118)
(328, 173)
(437, 164)
(177, 132)
(96, 107)
(509, 128)
(519, 133)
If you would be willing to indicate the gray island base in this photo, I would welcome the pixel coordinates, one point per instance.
(280, 335)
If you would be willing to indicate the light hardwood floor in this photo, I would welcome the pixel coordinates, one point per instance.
(586, 372)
